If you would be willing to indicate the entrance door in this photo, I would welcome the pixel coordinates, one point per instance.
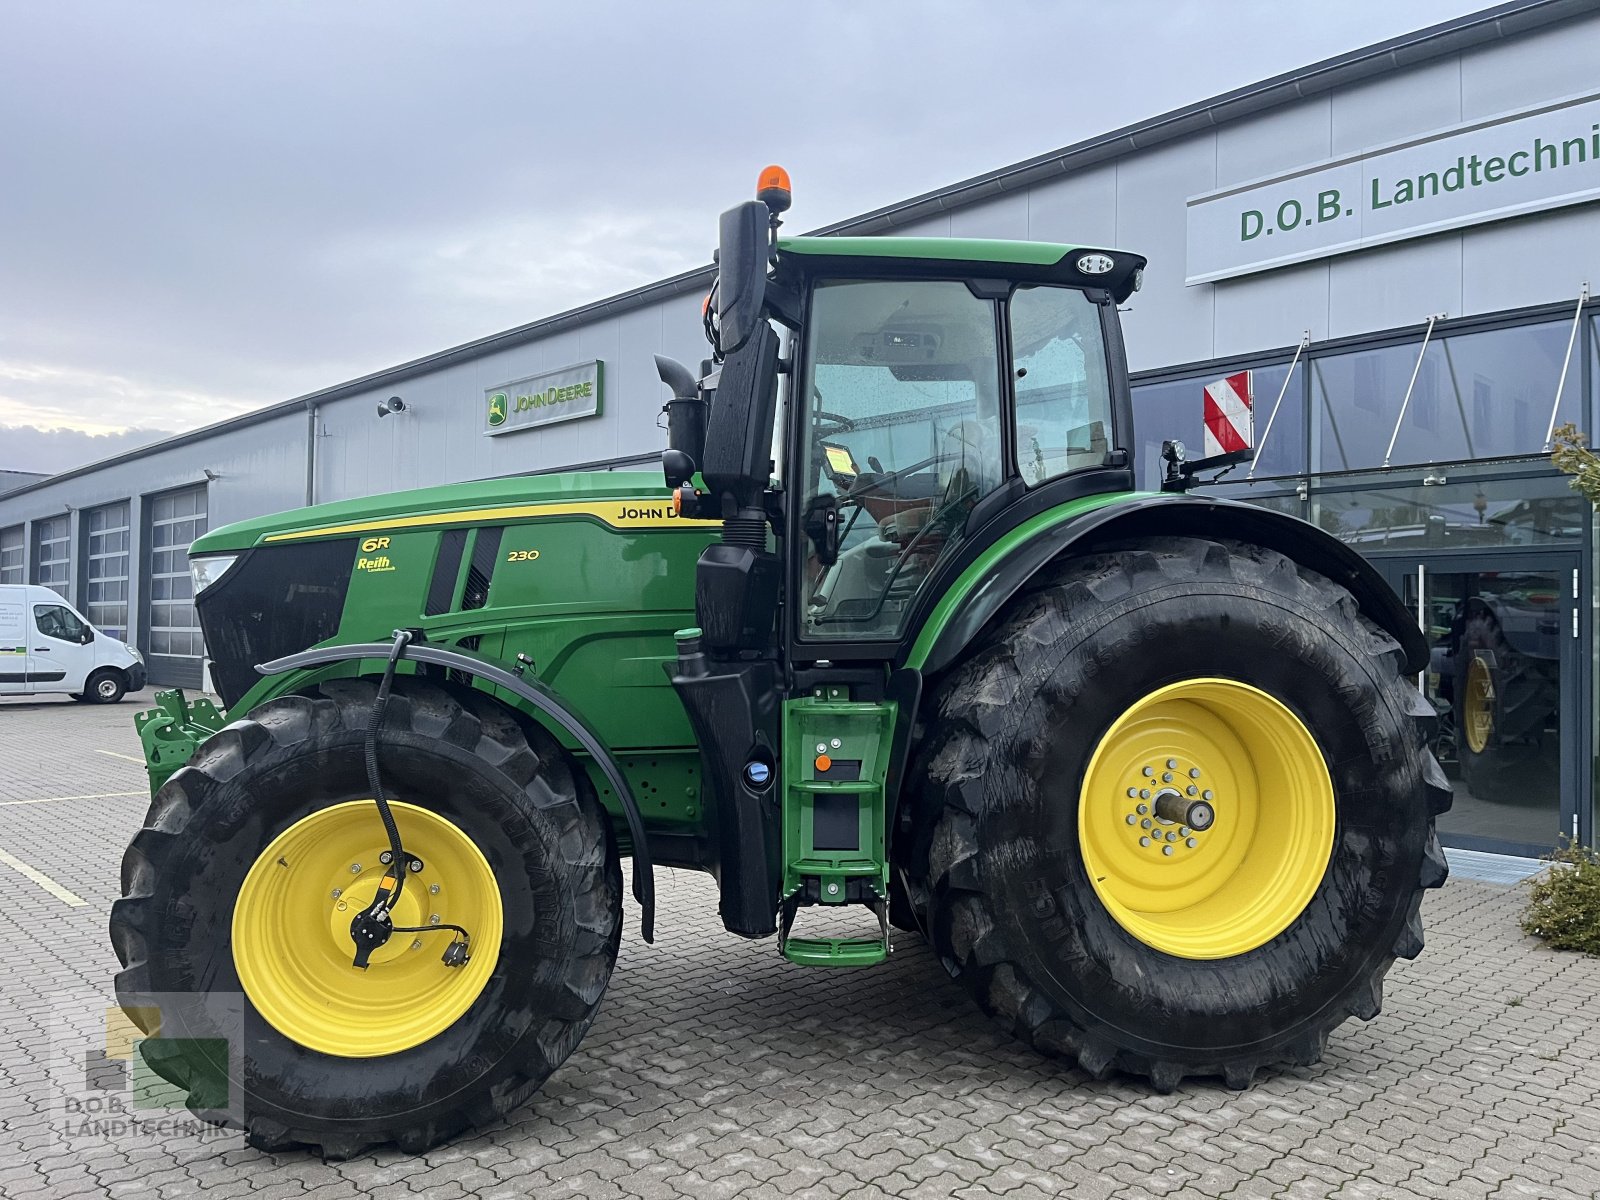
(1503, 673)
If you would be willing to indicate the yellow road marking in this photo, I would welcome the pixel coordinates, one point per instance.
(53, 799)
(128, 757)
(70, 899)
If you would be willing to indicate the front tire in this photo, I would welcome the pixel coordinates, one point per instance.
(232, 887)
(105, 686)
(1147, 956)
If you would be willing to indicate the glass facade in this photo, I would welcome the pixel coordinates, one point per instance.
(175, 520)
(52, 553)
(1479, 536)
(13, 555)
(105, 576)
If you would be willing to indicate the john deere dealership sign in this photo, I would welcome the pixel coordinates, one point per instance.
(563, 395)
(1519, 162)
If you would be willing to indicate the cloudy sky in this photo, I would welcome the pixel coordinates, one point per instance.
(208, 207)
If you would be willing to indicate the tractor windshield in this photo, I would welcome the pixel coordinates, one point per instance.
(908, 395)
(905, 399)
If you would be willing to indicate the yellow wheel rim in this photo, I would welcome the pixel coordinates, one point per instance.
(291, 931)
(1237, 883)
(1477, 708)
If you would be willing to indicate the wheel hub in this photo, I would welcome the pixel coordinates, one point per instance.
(1206, 818)
(292, 942)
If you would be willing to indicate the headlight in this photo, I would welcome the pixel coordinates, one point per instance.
(138, 655)
(207, 571)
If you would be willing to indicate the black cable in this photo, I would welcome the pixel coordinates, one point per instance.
(401, 861)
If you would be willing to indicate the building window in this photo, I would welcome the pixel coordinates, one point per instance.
(1489, 513)
(176, 519)
(13, 554)
(52, 541)
(1476, 396)
(1175, 409)
(106, 568)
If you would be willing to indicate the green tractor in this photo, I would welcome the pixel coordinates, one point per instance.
(896, 645)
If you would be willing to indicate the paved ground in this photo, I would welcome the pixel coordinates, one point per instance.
(717, 1070)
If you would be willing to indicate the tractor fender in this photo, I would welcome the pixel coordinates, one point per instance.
(996, 580)
(544, 701)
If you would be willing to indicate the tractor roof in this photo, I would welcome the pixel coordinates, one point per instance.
(1033, 262)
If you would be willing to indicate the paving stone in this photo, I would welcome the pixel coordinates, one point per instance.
(715, 1069)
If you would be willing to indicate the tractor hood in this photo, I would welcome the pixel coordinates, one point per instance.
(485, 500)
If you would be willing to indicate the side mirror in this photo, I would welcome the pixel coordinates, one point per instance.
(820, 521)
(86, 636)
(742, 246)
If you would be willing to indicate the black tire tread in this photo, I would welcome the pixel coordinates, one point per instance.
(974, 710)
(471, 720)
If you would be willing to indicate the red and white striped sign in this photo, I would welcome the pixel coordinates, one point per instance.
(1230, 415)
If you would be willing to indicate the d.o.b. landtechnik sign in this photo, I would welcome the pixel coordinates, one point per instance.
(545, 399)
(1486, 170)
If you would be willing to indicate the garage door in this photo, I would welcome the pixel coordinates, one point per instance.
(175, 647)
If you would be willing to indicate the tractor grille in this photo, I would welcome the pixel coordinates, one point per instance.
(276, 600)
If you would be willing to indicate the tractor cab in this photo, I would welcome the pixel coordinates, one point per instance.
(877, 412)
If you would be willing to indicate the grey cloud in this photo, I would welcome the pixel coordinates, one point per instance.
(243, 202)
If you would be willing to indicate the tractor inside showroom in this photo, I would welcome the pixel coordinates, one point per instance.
(896, 643)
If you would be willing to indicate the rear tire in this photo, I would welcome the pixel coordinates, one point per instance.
(998, 865)
(511, 790)
(105, 686)
(1500, 741)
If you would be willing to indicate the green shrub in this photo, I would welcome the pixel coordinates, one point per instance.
(1564, 901)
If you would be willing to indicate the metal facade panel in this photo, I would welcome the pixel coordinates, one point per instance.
(1395, 106)
(1544, 65)
(1005, 217)
(1280, 139)
(1271, 309)
(1515, 264)
(1166, 322)
(1400, 284)
(1078, 209)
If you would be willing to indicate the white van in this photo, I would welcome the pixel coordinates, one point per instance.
(47, 646)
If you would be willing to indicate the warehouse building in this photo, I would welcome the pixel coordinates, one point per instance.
(1396, 244)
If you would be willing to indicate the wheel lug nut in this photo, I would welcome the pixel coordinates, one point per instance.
(1191, 790)
(1150, 772)
(1171, 837)
(1166, 777)
(433, 889)
(355, 868)
(1132, 792)
(1144, 841)
(1145, 822)
(1191, 843)
(1144, 793)
(433, 919)
(416, 943)
(1208, 795)
(1172, 764)
(1166, 850)
(337, 892)
(1132, 820)
(1143, 808)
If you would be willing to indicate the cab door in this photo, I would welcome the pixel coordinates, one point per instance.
(13, 641)
(59, 654)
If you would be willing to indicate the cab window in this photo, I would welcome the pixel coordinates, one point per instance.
(1062, 387)
(54, 620)
(903, 405)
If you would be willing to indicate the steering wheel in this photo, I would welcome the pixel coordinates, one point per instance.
(840, 424)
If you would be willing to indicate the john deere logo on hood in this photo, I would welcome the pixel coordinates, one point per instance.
(497, 409)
